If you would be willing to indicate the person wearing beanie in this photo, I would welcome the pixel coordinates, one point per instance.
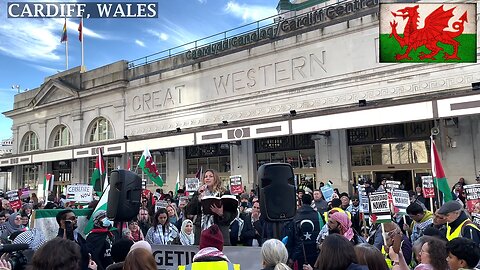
(120, 251)
(458, 223)
(100, 240)
(210, 255)
(302, 238)
(345, 200)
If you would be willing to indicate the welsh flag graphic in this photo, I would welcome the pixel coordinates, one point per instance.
(427, 32)
(149, 168)
(98, 173)
(439, 178)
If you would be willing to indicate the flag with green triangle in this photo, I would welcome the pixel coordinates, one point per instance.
(439, 178)
(98, 173)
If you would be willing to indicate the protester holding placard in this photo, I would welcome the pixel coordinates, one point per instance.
(472, 193)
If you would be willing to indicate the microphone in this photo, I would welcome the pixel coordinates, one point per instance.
(13, 247)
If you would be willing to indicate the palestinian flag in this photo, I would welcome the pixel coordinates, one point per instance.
(99, 172)
(70, 196)
(439, 178)
(428, 32)
(44, 220)
(379, 207)
(102, 205)
(149, 168)
(48, 182)
(177, 185)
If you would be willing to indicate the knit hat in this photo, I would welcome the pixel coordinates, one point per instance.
(211, 237)
(449, 207)
(344, 222)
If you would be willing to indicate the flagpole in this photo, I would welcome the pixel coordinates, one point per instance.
(82, 67)
(66, 53)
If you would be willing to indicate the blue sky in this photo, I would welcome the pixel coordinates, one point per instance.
(30, 49)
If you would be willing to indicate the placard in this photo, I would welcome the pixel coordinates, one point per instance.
(24, 193)
(192, 184)
(160, 204)
(80, 193)
(327, 192)
(391, 185)
(401, 200)
(428, 189)
(144, 183)
(379, 207)
(472, 193)
(476, 218)
(14, 199)
(168, 257)
(363, 198)
(236, 184)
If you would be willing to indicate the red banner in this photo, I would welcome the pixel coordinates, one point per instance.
(427, 187)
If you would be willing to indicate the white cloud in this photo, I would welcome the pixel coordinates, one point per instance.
(139, 43)
(202, 1)
(160, 35)
(37, 40)
(249, 12)
(48, 70)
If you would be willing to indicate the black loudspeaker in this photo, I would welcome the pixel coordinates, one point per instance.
(277, 191)
(124, 195)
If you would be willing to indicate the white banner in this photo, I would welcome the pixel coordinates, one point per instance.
(80, 193)
(169, 257)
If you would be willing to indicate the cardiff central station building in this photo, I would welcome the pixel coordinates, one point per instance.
(305, 87)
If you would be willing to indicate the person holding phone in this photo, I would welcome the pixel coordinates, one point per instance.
(67, 223)
(212, 186)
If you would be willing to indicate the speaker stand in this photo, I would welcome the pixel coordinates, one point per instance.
(277, 230)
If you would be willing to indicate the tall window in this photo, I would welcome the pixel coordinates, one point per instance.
(30, 142)
(30, 176)
(62, 137)
(208, 156)
(101, 130)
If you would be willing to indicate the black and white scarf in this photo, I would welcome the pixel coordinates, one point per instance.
(207, 220)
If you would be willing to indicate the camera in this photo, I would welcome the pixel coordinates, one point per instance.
(18, 260)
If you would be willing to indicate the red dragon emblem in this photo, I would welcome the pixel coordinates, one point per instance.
(430, 35)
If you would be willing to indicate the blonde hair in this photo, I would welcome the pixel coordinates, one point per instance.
(217, 185)
(275, 254)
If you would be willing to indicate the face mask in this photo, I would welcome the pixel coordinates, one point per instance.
(106, 223)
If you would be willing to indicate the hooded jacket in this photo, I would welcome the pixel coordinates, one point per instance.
(99, 245)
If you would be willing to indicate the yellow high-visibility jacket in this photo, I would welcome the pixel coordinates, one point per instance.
(220, 265)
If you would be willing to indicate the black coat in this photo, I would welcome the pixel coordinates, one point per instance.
(299, 241)
(100, 246)
(248, 232)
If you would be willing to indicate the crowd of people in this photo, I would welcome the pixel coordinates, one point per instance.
(323, 235)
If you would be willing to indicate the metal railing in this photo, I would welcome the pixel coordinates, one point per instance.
(181, 49)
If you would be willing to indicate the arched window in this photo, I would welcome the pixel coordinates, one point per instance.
(101, 130)
(61, 136)
(30, 142)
